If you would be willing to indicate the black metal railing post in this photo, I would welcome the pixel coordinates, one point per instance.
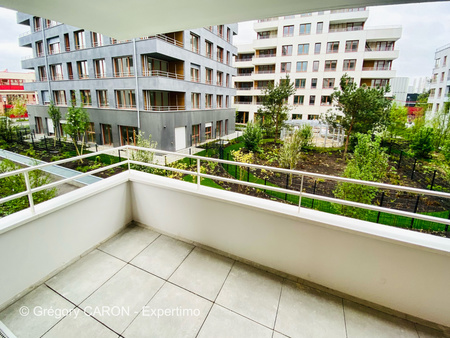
(381, 204)
(400, 160)
(248, 174)
(432, 181)
(413, 169)
(415, 210)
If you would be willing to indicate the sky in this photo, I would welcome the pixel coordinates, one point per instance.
(426, 27)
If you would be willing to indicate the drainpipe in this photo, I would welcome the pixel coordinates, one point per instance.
(137, 84)
(47, 69)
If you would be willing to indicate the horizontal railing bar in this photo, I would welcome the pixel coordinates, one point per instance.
(157, 166)
(13, 197)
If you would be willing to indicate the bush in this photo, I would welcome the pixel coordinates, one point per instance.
(252, 136)
(445, 150)
(422, 142)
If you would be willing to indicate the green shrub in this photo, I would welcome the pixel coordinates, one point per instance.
(252, 136)
(422, 142)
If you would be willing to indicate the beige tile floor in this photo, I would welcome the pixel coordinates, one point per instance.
(143, 284)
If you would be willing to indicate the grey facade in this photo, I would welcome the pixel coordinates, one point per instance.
(66, 62)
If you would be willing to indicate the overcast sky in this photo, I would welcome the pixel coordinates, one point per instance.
(426, 27)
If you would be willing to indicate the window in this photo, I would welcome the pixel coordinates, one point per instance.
(220, 30)
(218, 128)
(195, 73)
(208, 100)
(228, 34)
(442, 76)
(227, 80)
(300, 83)
(285, 67)
(439, 92)
(45, 97)
(53, 45)
(382, 65)
(328, 83)
(123, 66)
(432, 91)
(195, 97)
(349, 64)
(100, 68)
(97, 40)
(303, 49)
(86, 99)
(37, 21)
(315, 66)
(209, 76)
(195, 39)
(379, 82)
(298, 99)
(107, 134)
(351, 46)
(125, 99)
(228, 58)
(305, 29)
(437, 107)
(444, 63)
(288, 30)
(219, 101)
(312, 100)
(330, 65)
(296, 116)
(333, 47)
(79, 40)
(313, 117)
(56, 72)
(102, 98)
(209, 49)
(42, 73)
(83, 72)
(39, 49)
(286, 50)
(302, 66)
(50, 23)
(220, 54)
(319, 29)
(59, 96)
(325, 100)
(128, 135)
(313, 83)
(90, 132)
(195, 134)
(227, 101)
(317, 48)
(437, 63)
(219, 78)
(67, 42)
(69, 70)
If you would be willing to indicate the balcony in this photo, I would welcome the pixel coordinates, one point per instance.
(161, 73)
(312, 276)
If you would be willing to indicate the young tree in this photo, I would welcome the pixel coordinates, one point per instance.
(252, 136)
(143, 155)
(77, 126)
(369, 163)
(363, 108)
(19, 107)
(55, 115)
(422, 142)
(396, 122)
(441, 124)
(275, 108)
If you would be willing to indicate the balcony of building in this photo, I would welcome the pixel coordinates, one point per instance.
(269, 24)
(155, 100)
(174, 38)
(162, 66)
(149, 243)
(349, 15)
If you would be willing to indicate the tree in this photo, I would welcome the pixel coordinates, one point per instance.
(275, 108)
(369, 163)
(252, 136)
(363, 108)
(77, 126)
(290, 152)
(19, 107)
(396, 122)
(441, 124)
(143, 155)
(422, 142)
(55, 115)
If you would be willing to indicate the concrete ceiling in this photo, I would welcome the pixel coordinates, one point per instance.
(135, 18)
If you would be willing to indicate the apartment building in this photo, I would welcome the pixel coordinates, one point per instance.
(175, 86)
(12, 87)
(440, 80)
(315, 50)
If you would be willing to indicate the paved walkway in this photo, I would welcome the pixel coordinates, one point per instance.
(53, 170)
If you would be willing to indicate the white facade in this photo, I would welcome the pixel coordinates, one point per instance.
(440, 80)
(399, 89)
(346, 46)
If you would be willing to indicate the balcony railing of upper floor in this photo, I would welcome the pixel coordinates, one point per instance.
(164, 38)
(265, 55)
(244, 74)
(124, 74)
(347, 10)
(377, 68)
(162, 73)
(347, 29)
(125, 106)
(243, 88)
(379, 49)
(272, 71)
(164, 108)
(268, 19)
(243, 60)
(263, 37)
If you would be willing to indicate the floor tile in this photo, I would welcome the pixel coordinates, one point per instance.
(243, 293)
(85, 276)
(203, 273)
(163, 256)
(305, 312)
(225, 323)
(117, 302)
(181, 315)
(426, 332)
(362, 321)
(129, 242)
(79, 325)
(39, 320)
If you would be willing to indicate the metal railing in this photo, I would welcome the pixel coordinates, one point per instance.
(379, 49)
(123, 74)
(376, 68)
(164, 108)
(265, 56)
(263, 37)
(162, 73)
(347, 29)
(166, 39)
(243, 60)
(244, 74)
(199, 175)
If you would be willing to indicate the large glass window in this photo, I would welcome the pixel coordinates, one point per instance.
(100, 68)
(303, 49)
(300, 83)
(123, 66)
(83, 72)
(328, 83)
(86, 97)
(286, 50)
(330, 65)
(195, 39)
(125, 99)
(333, 47)
(351, 46)
(349, 64)
(128, 135)
(102, 98)
(56, 72)
(79, 39)
(302, 66)
(305, 29)
(195, 99)
(53, 45)
(319, 29)
(288, 30)
(285, 67)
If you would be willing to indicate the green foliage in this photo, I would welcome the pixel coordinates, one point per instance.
(19, 107)
(445, 150)
(422, 142)
(143, 155)
(369, 163)
(252, 136)
(396, 122)
(363, 108)
(55, 115)
(15, 184)
(76, 126)
(274, 111)
(441, 125)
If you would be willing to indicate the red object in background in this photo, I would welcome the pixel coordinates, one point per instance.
(11, 87)
(413, 112)
(19, 116)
